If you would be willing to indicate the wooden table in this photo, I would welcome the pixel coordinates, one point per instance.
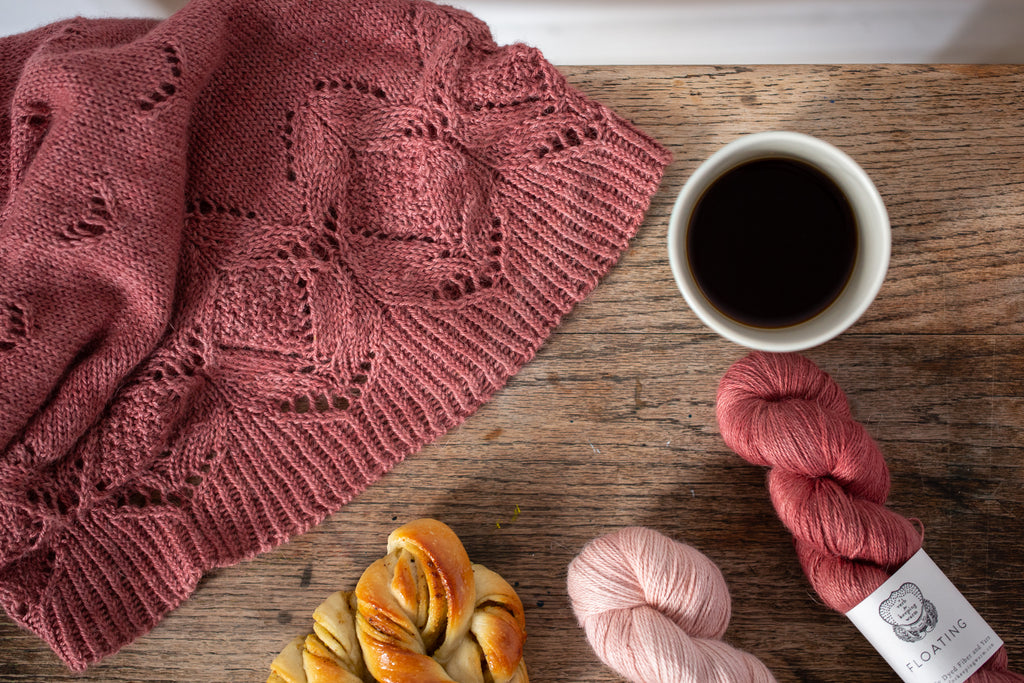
(613, 423)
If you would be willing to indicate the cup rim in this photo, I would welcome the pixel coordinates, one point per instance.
(873, 251)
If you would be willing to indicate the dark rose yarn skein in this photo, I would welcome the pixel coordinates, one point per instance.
(827, 479)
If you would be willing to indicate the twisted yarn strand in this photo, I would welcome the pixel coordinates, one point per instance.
(654, 610)
(828, 479)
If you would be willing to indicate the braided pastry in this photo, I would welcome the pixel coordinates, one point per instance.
(330, 654)
(422, 613)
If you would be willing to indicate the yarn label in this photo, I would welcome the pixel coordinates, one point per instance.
(923, 627)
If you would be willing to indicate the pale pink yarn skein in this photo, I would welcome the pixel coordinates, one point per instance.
(655, 611)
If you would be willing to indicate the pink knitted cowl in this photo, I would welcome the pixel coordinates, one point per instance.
(253, 256)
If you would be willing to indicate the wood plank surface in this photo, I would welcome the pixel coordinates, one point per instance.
(613, 422)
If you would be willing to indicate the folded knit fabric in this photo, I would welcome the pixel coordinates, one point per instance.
(252, 257)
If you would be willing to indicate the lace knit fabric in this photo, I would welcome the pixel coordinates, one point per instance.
(252, 257)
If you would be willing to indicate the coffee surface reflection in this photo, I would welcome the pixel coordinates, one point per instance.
(772, 242)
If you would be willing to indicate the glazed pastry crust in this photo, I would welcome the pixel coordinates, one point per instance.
(421, 613)
(330, 654)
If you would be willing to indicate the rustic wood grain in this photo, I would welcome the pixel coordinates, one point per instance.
(613, 423)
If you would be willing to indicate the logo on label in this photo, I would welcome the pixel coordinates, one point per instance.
(909, 613)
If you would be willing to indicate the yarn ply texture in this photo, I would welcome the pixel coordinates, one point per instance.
(655, 610)
(828, 479)
(252, 257)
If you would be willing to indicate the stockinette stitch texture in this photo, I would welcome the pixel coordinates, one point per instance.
(252, 257)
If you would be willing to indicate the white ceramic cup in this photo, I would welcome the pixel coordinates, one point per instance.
(873, 239)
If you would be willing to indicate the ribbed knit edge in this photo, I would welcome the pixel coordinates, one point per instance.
(120, 570)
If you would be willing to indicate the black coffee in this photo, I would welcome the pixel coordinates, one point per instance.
(772, 242)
